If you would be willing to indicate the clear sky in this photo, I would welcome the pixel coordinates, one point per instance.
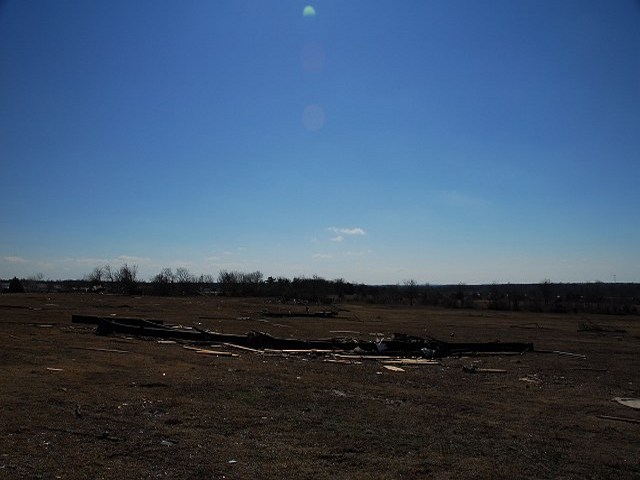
(378, 141)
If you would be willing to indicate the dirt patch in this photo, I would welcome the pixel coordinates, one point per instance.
(78, 405)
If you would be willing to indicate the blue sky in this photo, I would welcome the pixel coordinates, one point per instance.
(379, 141)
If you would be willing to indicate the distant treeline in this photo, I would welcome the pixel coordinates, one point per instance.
(545, 296)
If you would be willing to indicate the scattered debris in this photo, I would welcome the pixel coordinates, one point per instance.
(531, 325)
(412, 361)
(107, 436)
(629, 402)
(531, 378)
(361, 357)
(321, 314)
(95, 320)
(240, 347)
(295, 351)
(340, 361)
(620, 419)
(568, 354)
(393, 368)
(210, 352)
(474, 369)
(399, 345)
(93, 349)
(594, 327)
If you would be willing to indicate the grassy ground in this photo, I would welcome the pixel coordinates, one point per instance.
(140, 409)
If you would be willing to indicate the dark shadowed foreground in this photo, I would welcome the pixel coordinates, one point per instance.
(77, 406)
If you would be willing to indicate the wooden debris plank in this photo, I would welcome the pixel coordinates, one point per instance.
(110, 350)
(620, 419)
(189, 347)
(302, 350)
(495, 354)
(393, 368)
(341, 361)
(629, 402)
(412, 361)
(567, 354)
(217, 352)
(210, 352)
(241, 347)
(363, 357)
(474, 369)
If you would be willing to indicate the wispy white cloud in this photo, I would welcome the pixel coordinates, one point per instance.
(348, 231)
(86, 261)
(339, 238)
(360, 253)
(13, 259)
(95, 261)
(179, 264)
(133, 259)
(322, 255)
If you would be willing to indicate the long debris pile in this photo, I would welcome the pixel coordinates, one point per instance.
(400, 345)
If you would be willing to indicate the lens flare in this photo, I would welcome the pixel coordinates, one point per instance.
(313, 57)
(313, 117)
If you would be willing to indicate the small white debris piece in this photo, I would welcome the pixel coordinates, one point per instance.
(629, 402)
(393, 368)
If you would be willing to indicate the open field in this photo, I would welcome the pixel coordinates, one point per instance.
(80, 406)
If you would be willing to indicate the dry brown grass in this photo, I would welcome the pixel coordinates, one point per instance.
(161, 411)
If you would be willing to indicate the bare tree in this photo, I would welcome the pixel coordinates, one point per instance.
(109, 273)
(411, 290)
(546, 290)
(228, 282)
(15, 286)
(163, 281)
(252, 277)
(239, 283)
(205, 278)
(96, 275)
(126, 278)
(183, 275)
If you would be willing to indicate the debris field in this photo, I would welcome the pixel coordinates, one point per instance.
(228, 388)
